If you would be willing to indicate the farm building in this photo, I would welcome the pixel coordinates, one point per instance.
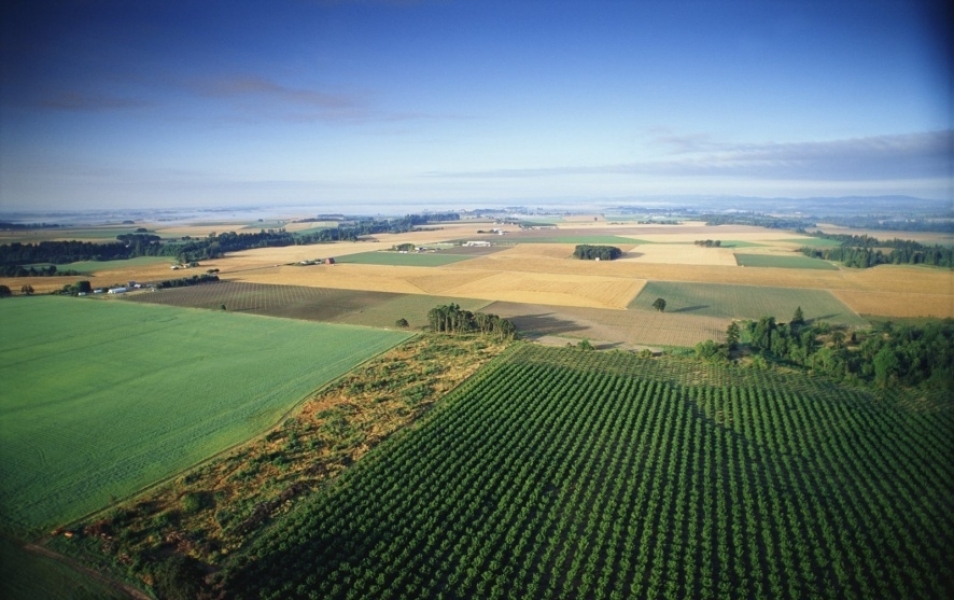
(118, 290)
(477, 244)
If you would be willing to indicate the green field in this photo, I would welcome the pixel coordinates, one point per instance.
(794, 261)
(410, 259)
(814, 242)
(557, 473)
(28, 576)
(90, 266)
(745, 302)
(100, 399)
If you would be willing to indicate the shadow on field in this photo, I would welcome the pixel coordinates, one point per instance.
(690, 308)
(544, 323)
(814, 320)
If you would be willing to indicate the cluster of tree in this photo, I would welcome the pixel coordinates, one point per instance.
(187, 281)
(8, 226)
(451, 318)
(708, 243)
(862, 251)
(588, 252)
(406, 247)
(33, 271)
(194, 249)
(758, 220)
(908, 355)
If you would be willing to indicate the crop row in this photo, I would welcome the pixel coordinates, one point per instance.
(553, 475)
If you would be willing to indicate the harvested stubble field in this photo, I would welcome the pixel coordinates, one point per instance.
(745, 302)
(295, 302)
(621, 328)
(100, 399)
(784, 261)
(679, 254)
(893, 304)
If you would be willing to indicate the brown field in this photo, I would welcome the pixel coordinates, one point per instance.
(293, 302)
(620, 327)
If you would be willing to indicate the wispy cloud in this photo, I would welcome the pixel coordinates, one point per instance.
(256, 96)
(886, 157)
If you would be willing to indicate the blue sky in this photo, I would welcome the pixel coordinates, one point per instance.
(334, 103)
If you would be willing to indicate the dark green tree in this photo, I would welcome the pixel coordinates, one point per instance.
(798, 318)
(401, 323)
(659, 304)
(4, 291)
(732, 335)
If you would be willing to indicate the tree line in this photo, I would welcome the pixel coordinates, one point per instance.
(862, 251)
(451, 318)
(588, 252)
(17, 255)
(909, 355)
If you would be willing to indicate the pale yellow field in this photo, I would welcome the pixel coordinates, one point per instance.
(678, 254)
(894, 304)
(551, 288)
(547, 273)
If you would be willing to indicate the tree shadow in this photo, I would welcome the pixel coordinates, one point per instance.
(543, 323)
(689, 308)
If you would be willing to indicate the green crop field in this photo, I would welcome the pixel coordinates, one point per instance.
(410, 259)
(813, 242)
(89, 266)
(794, 261)
(745, 302)
(557, 473)
(100, 399)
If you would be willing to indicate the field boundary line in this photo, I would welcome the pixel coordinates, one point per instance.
(111, 582)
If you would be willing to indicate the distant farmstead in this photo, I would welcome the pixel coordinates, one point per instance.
(118, 290)
(477, 244)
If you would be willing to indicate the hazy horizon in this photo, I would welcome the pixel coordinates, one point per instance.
(364, 103)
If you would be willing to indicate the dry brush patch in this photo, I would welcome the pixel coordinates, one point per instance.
(211, 511)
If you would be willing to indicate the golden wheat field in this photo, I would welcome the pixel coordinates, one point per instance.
(547, 274)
